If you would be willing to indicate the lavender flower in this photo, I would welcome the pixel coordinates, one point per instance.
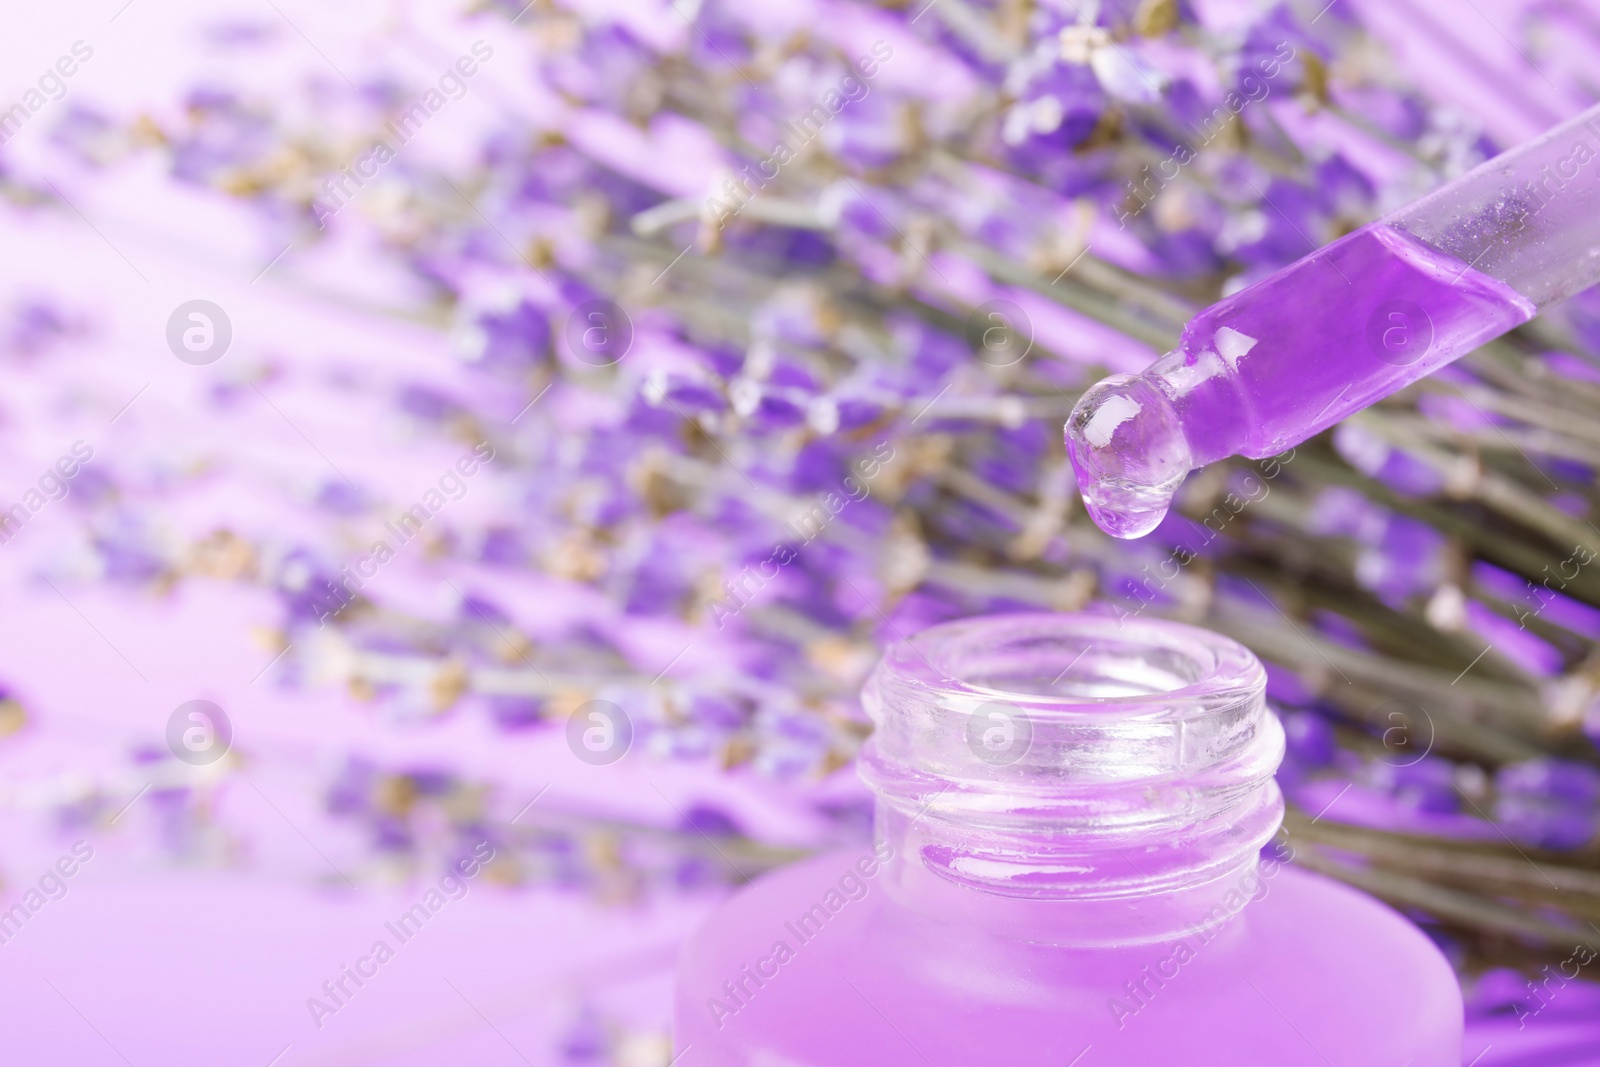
(803, 453)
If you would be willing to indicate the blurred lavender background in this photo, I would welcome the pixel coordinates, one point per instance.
(656, 423)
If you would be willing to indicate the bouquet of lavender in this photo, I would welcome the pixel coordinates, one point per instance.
(834, 419)
(764, 320)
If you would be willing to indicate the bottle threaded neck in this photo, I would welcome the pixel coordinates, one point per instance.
(1070, 777)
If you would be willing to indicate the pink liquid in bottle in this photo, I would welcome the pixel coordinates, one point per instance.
(1069, 871)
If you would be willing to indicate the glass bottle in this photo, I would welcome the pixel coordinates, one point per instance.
(1077, 863)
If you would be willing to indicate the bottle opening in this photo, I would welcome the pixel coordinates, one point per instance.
(1117, 773)
(1083, 661)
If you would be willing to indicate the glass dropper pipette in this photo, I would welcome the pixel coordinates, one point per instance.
(1342, 328)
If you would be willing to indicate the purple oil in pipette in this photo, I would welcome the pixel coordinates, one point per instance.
(1277, 362)
(1340, 329)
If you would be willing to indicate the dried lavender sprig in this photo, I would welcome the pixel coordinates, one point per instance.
(1471, 909)
(1494, 865)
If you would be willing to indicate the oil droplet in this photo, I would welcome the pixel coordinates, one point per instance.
(1129, 452)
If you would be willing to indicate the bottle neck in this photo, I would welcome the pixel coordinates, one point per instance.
(1057, 779)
